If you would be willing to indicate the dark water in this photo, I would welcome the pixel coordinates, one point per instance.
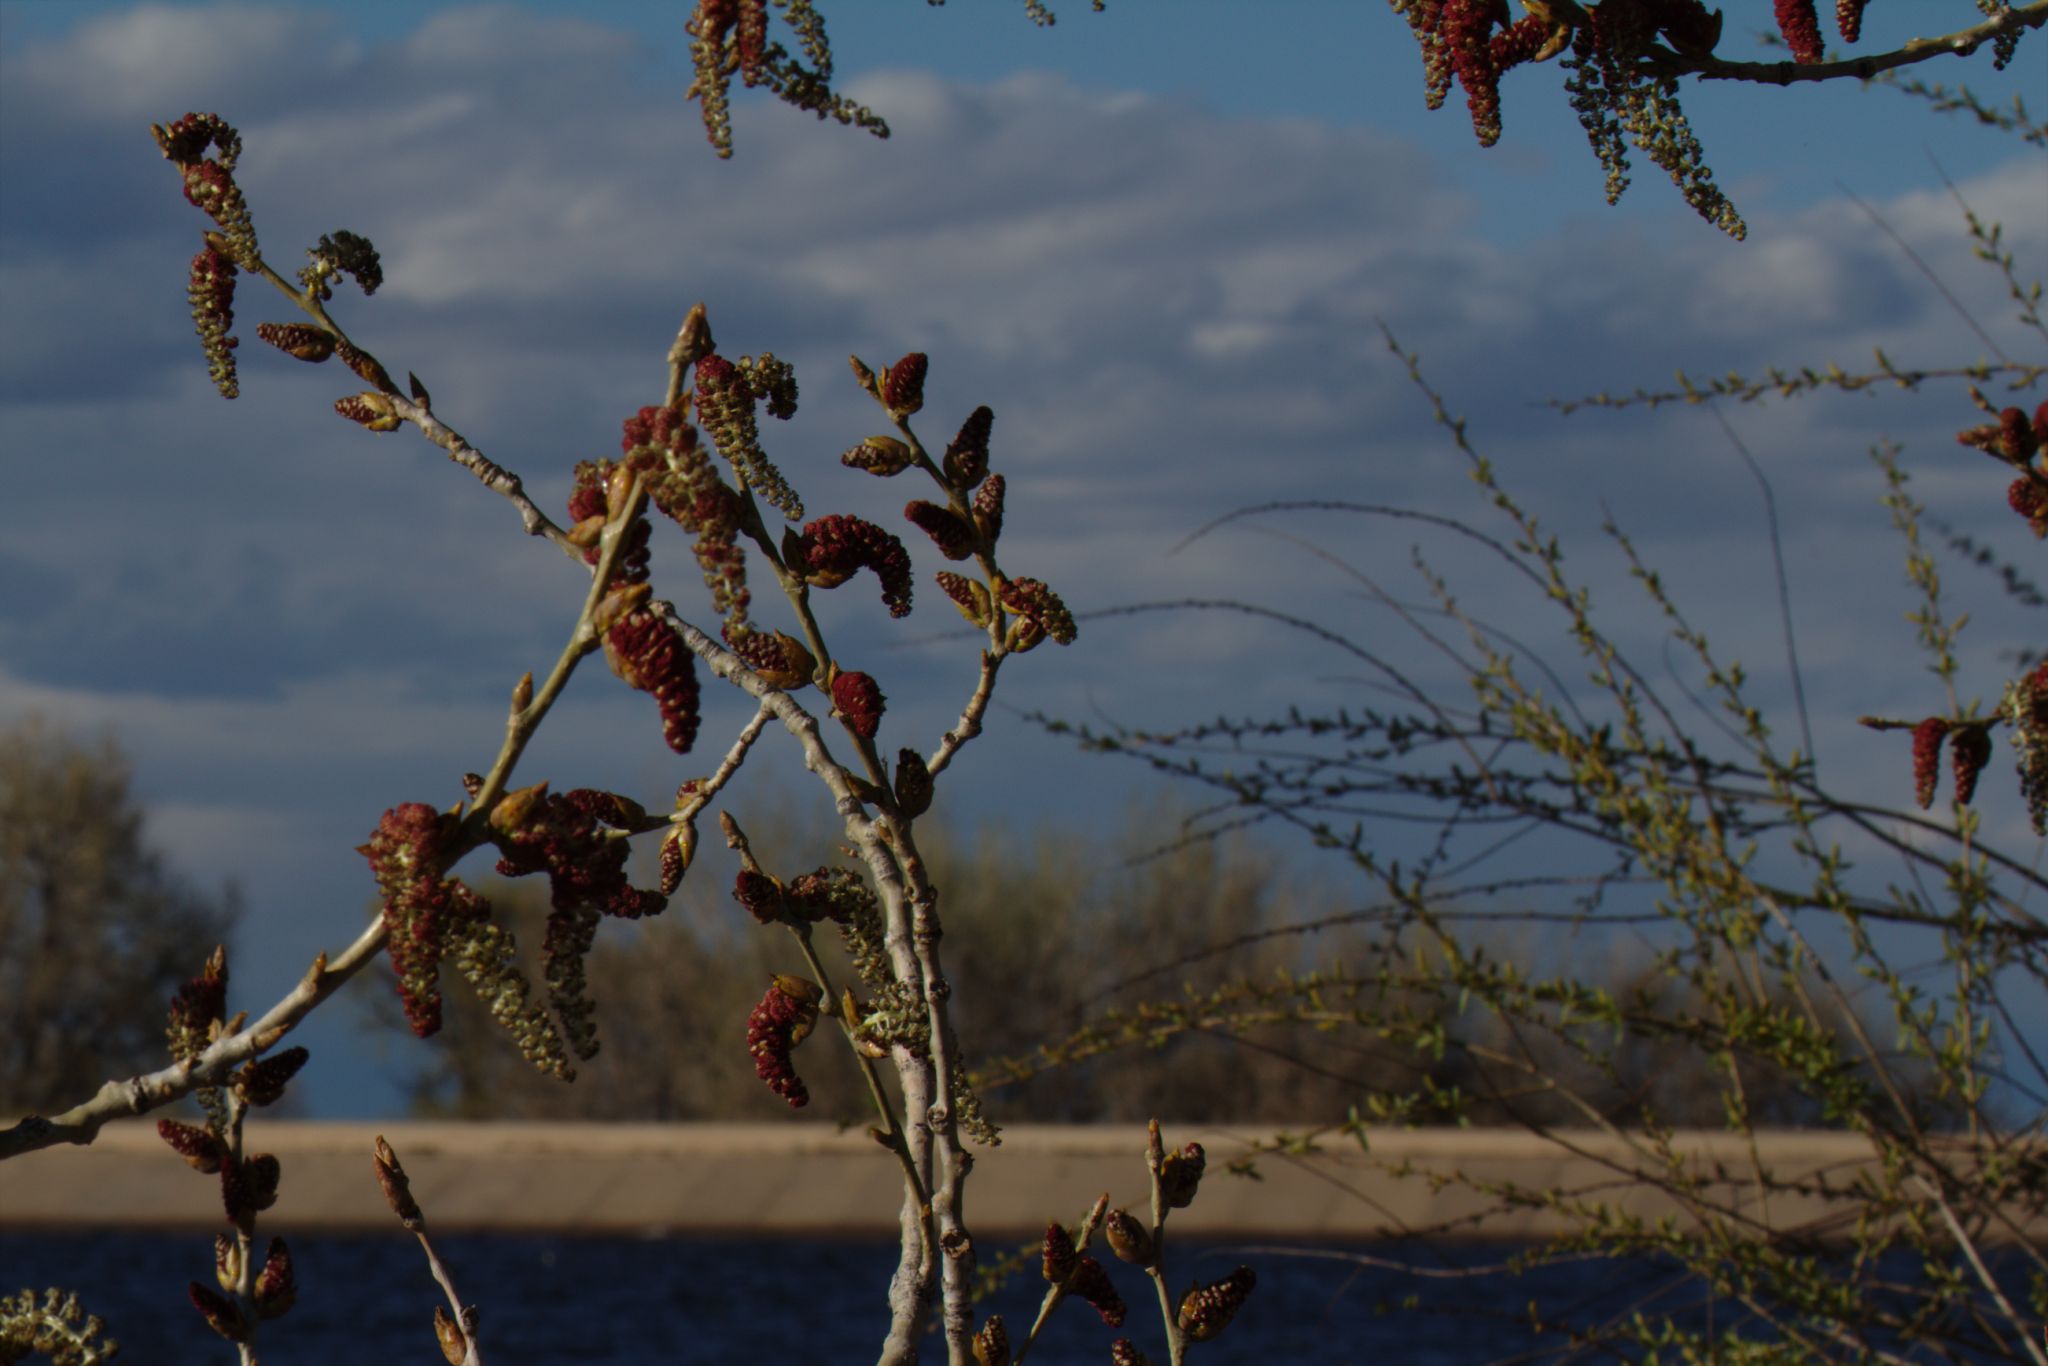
(546, 1299)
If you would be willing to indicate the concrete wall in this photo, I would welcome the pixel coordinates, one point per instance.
(806, 1178)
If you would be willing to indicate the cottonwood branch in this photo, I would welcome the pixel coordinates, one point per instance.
(910, 1290)
(1663, 61)
(139, 1095)
(493, 476)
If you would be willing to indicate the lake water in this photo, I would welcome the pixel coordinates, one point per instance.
(687, 1300)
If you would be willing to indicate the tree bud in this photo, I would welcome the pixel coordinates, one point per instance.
(1128, 1238)
(454, 1346)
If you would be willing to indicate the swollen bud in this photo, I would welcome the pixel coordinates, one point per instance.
(277, 1289)
(1180, 1175)
(1207, 1310)
(861, 374)
(397, 1189)
(903, 386)
(227, 1261)
(616, 606)
(261, 1081)
(992, 1343)
(201, 1148)
(693, 339)
(300, 341)
(454, 1346)
(678, 848)
(619, 491)
(1023, 636)
(371, 409)
(913, 783)
(792, 666)
(222, 1315)
(1128, 1238)
(880, 455)
(969, 596)
(510, 815)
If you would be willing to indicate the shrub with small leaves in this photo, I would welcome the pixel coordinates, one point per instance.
(55, 1326)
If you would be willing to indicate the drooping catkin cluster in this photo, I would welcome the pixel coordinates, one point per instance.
(727, 395)
(1063, 1264)
(858, 913)
(991, 1342)
(1800, 27)
(209, 185)
(641, 648)
(577, 839)
(782, 1020)
(647, 654)
(730, 38)
(487, 956)
(2025, 708)
(210, 181)
(1927, 740)
(211, 292)
(569, 837)
(857, 700)
(1622, 61)
(421, 907)
(833, 549)
(55, 1325)
(430, 918)
(341, 253)
(1619, 102)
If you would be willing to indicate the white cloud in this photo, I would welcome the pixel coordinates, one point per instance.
(141, 63)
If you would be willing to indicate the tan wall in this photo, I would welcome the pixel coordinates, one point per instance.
(808, 1178)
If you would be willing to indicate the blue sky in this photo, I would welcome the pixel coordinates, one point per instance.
(1157, 241)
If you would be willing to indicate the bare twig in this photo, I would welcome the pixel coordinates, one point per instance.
(141, 1094)
(458, 1333)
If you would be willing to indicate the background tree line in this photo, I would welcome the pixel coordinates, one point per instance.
(1061, 944)
(1055, 935)
(96, 930)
